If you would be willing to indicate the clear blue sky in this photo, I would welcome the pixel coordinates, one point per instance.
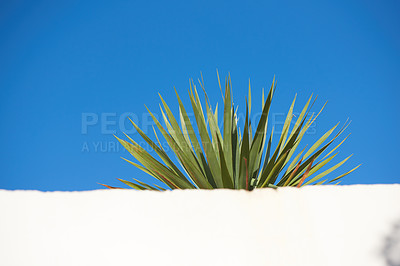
(61, 61)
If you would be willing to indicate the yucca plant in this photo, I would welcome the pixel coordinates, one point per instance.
(227, 158)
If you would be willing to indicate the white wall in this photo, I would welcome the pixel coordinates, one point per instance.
(343, 225)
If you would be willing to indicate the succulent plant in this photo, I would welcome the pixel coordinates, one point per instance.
(227, 158)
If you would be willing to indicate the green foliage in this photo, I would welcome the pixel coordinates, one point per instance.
(230, 159)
